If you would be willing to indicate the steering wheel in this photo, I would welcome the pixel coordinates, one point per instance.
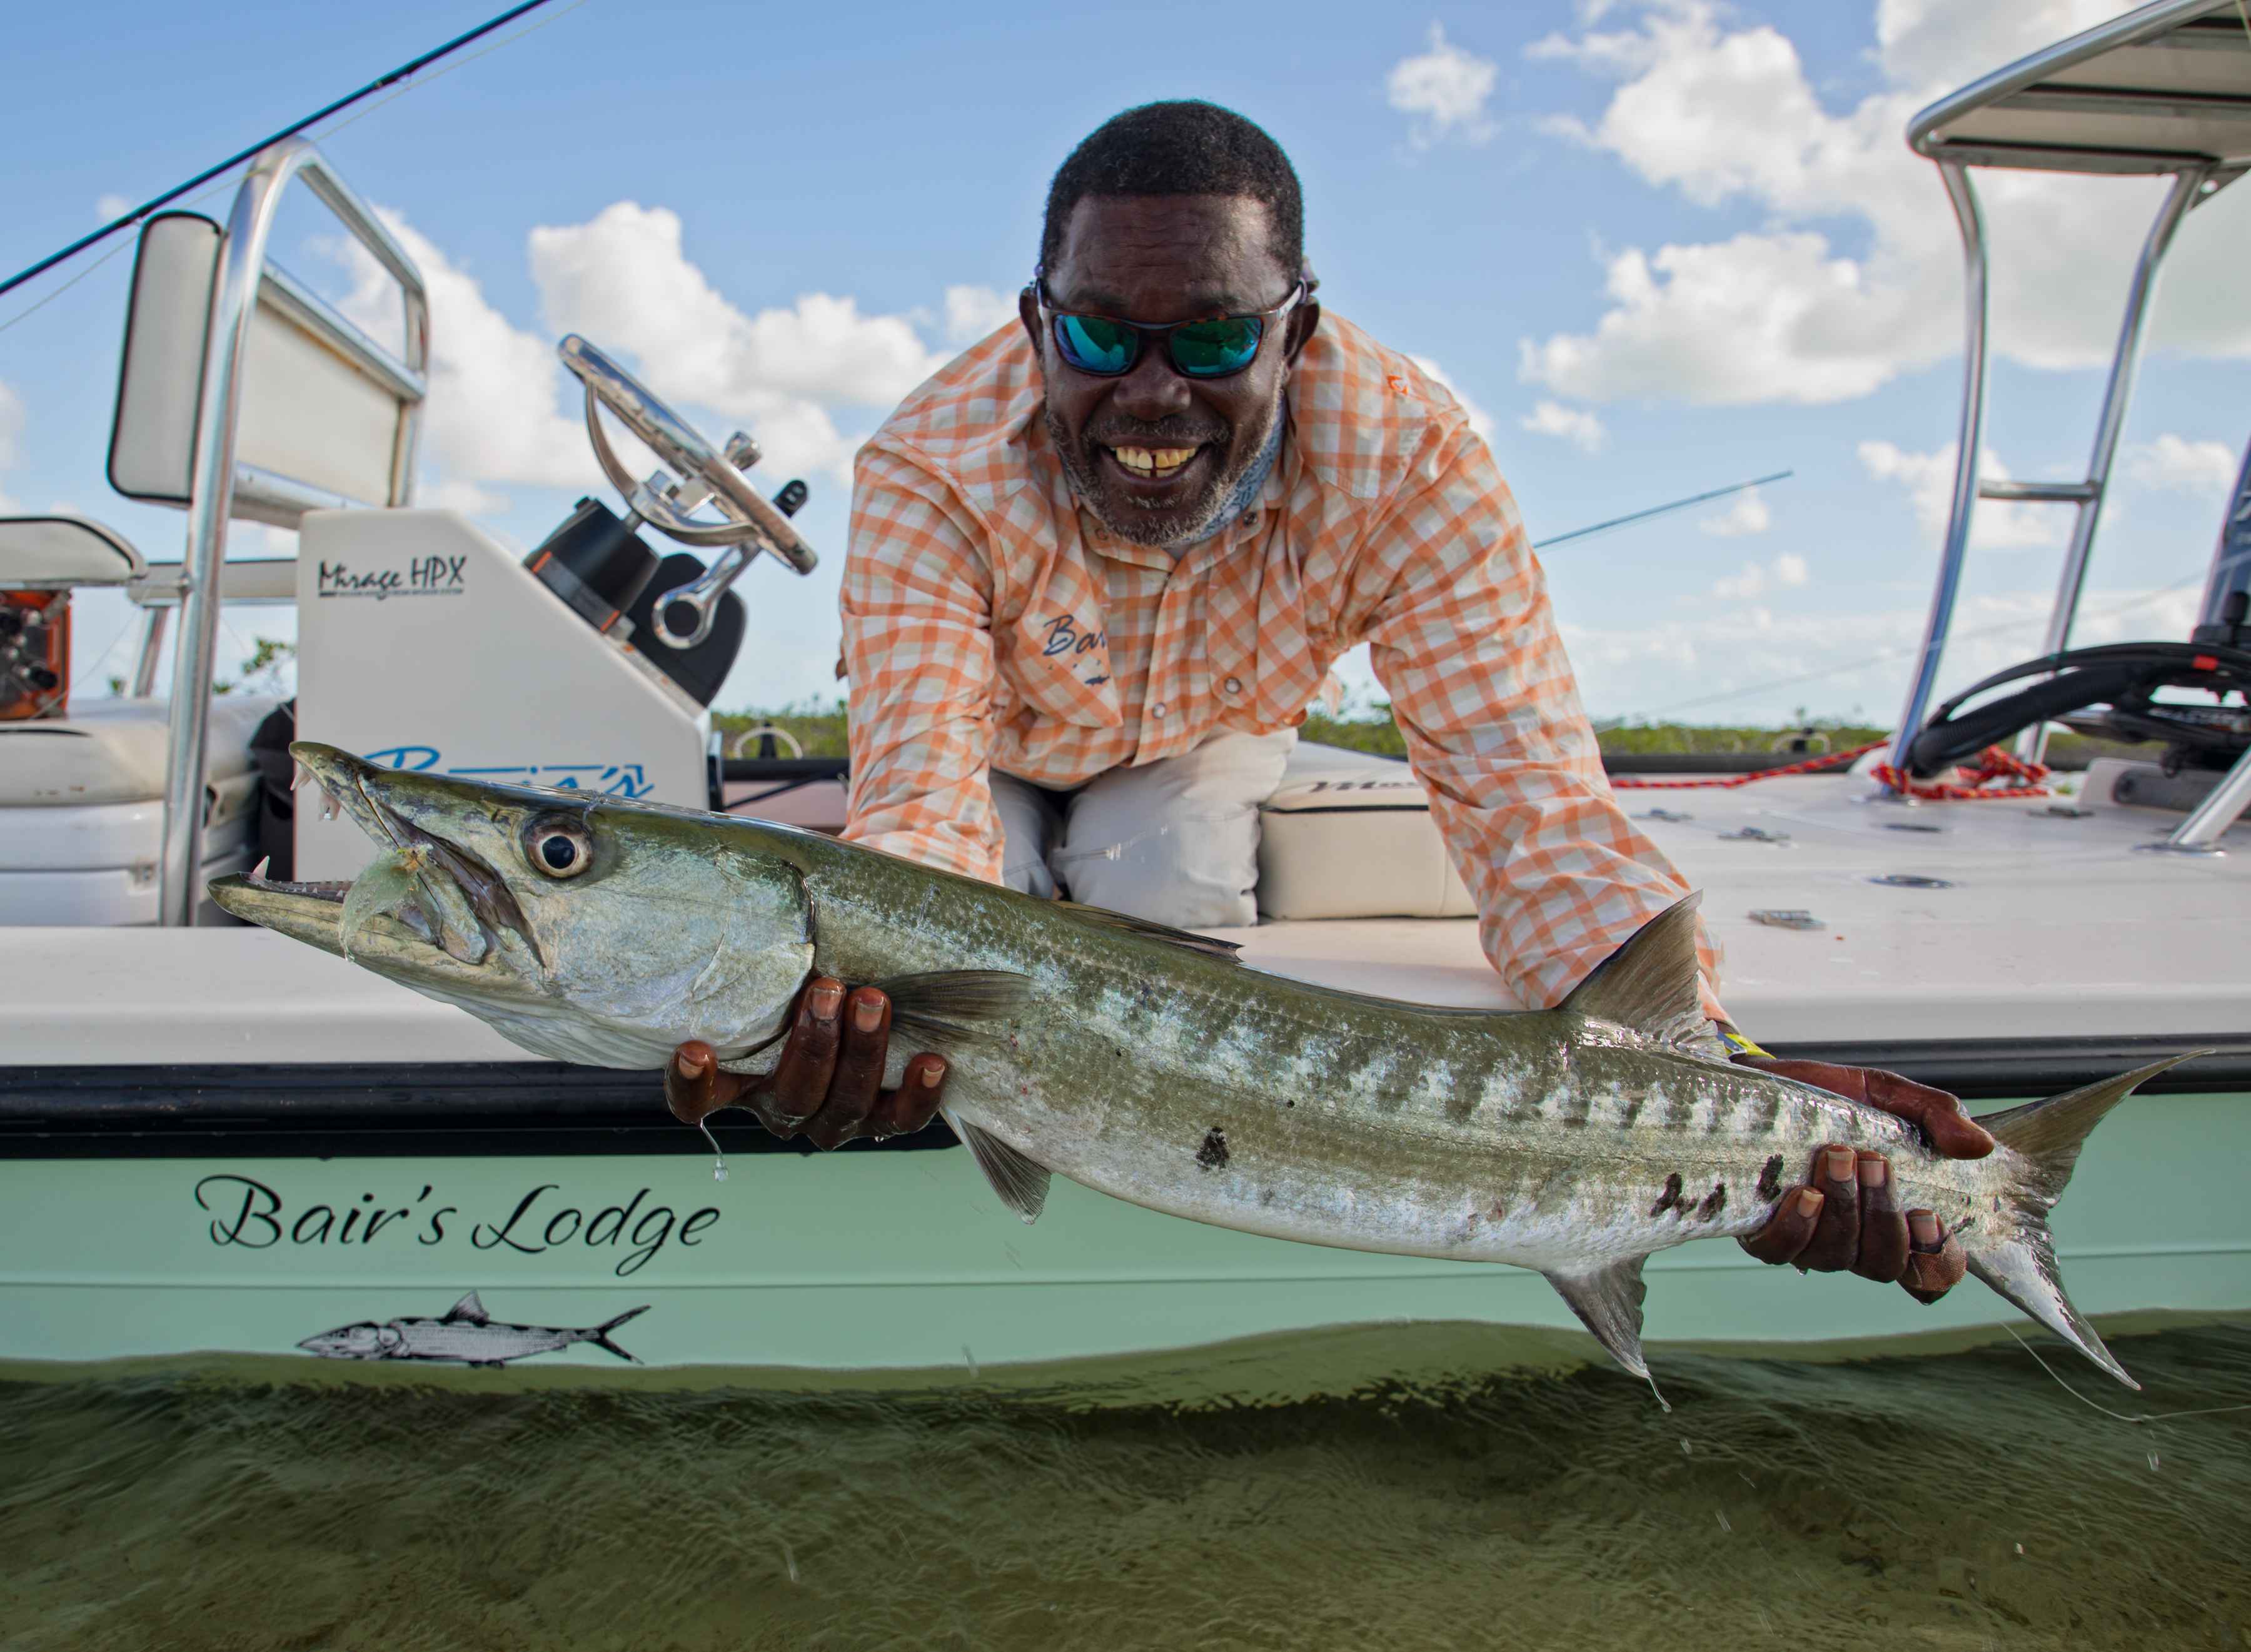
(682, 618)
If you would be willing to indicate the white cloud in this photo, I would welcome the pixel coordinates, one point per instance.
(2174, 461)
(1928, 479)
(1786, 571)
(1445, 89)
(1724, 114)
(1480, 420)
(496, 412)
(1746, 513)
(502, 412)
(625, 281)
(975, 313)
(1575, 425)
(107, 207)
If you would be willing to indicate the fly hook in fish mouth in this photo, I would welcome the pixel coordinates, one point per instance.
(485, 891)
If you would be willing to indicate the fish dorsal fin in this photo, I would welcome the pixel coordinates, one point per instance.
(951, 1002)
(467, 1311)
(1649, 985)
(1608, 1302)
(1021, 1184)
(1210, 946)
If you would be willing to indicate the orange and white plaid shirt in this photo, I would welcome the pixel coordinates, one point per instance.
(990, 622)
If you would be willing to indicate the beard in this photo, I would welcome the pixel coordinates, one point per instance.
(1171, 526)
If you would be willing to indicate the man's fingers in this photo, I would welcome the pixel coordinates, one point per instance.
(1789, 1230)
(915, 1103)
(1936, 1113)
(1935, 1262)
(1883, 1229)
(1836, 1242)
(809, 1059)
(859, 1073)
(694, 1087)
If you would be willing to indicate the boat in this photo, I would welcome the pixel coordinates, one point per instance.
(215, 1140)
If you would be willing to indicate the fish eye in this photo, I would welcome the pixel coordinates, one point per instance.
(558, 846)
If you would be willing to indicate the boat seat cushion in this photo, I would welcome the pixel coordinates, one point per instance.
(58, 552)
(113, 751)
(1349, 835)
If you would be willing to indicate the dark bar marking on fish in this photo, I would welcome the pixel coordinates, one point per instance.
(1670, 1199)
(1633, 1107)
(1213, 1154)
(1714, 1201)
(1769, 1182)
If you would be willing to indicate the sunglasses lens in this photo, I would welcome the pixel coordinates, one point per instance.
(1094, 345)
(1214, 349)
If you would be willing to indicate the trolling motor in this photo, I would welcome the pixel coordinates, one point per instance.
(2110, 691)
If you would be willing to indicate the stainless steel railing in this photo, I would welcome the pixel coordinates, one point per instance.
(220, 489)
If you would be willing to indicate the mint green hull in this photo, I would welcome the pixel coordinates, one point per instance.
(905, 1260)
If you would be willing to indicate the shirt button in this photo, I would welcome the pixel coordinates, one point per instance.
(1158, 709)
(1234, 686)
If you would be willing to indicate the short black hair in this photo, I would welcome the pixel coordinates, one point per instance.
(1184, 147)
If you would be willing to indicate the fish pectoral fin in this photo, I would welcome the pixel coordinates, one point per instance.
(467, 1311)
(951, 1002)
(1608, 1301)
(1650, 984)
(1210, 946)
(1021, 1184)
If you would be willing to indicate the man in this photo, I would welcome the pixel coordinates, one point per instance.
(1101, 564)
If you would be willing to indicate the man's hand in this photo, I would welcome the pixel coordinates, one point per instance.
(1843, 1216)
(828, 1083)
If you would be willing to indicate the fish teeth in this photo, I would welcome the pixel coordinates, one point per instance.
(329, 807)
(258, 873)
(298, 774)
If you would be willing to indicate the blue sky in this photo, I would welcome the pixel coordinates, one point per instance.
(1661, 247)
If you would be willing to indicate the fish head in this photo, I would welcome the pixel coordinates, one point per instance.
(366, 1340)
(584, 928)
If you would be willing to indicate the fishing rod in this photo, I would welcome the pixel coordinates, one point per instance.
(401, 72)
(1658, 510)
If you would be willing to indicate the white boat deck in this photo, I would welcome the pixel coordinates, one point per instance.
(2051, 927)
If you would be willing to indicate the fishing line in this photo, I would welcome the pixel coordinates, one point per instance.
(224, 182)
(2145, 1417)
(321, 113)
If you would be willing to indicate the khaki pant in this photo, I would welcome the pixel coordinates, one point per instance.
(1175, 842)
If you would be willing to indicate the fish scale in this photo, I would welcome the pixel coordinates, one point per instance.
(1149, 1065)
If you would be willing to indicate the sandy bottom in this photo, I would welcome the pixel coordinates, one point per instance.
(1963, 1501)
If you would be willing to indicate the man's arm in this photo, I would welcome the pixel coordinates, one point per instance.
(1465, 641)
(916, 609)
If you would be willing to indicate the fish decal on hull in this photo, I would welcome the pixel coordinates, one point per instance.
(465, 1335)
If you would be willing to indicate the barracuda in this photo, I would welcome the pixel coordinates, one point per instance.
(1148, 1064)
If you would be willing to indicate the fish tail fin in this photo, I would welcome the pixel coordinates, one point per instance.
(600, 1335)
(2010, 1248)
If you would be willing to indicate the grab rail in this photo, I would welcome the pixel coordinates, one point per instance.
(218, 487)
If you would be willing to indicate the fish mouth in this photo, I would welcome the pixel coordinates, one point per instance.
(453, 925)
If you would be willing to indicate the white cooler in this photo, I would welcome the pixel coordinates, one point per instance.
(82, 811)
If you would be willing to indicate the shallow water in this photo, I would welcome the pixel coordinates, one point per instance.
(1959, 1500)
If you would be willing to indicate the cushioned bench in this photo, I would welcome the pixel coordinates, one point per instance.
(1349, 835)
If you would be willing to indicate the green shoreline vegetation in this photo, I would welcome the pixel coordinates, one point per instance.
(819, 728)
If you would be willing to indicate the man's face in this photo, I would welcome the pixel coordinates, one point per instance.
(1160, 259)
